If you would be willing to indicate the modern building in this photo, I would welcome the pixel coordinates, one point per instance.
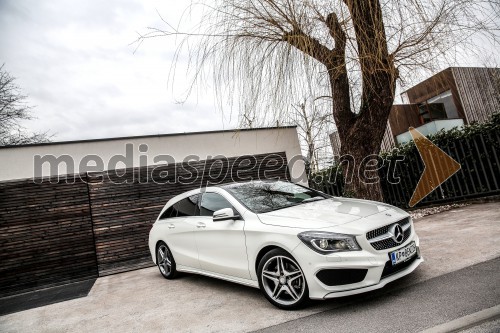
(451, 98)
(454, 97)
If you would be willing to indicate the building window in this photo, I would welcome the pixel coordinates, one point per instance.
(438, 107)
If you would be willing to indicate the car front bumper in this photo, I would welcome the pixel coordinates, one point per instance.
(355, 264)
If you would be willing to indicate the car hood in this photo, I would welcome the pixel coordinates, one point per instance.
(323, 213)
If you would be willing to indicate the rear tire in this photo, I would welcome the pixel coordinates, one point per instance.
(165, 261)
(282, 281)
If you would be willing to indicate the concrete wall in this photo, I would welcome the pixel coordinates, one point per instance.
(20, 162)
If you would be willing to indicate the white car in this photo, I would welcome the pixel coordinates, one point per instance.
(292, 242)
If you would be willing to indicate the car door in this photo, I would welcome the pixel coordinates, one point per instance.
(221, 245)
(181, 220)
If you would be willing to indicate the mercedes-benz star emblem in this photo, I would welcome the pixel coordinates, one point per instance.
(397, 233)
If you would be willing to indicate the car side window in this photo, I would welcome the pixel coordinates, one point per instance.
(168, 213)
(211, 202)
(182, 208)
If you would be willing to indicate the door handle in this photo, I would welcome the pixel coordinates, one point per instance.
(171, 226)
(201, 225)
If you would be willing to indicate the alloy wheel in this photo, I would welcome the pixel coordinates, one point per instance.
(164, 260)
(283, 280)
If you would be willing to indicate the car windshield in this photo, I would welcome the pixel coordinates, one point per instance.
(263, 197)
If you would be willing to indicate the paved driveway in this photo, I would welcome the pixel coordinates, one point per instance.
(142, 300)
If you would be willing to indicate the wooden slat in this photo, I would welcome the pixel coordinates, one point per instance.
(478, 90)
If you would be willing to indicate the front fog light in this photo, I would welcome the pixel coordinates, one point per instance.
(329, 242)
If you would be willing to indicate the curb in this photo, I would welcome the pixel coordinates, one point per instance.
(465, 322)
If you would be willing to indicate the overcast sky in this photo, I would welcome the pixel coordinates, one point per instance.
(75, 62)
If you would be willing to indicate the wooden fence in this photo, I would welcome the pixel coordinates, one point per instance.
(45, 234)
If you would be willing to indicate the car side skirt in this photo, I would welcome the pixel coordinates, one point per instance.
(245, 282)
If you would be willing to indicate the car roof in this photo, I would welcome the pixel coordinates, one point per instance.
(222, 186)
(208, 188)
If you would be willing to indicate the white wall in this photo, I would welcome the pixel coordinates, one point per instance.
(19, 162)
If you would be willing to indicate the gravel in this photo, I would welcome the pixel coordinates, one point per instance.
(419, 213)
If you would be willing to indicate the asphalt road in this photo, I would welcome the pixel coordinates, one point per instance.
(492, 326)
(412, 308)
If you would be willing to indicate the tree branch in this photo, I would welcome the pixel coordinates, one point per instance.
(309, 45)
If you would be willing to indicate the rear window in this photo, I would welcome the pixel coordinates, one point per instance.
(182, 208)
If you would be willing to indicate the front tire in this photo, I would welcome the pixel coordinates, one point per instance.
(282, 281)
(165, 261)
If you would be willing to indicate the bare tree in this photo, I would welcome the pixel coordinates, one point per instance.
(314, 122)
(265, 52)
(13, 109)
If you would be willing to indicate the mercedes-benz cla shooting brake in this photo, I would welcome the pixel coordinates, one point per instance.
(292, 242)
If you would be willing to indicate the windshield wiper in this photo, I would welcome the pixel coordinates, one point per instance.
(313, 199)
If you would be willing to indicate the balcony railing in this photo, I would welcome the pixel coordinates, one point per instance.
(431, 128)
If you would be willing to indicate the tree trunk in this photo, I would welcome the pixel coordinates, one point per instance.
(362, 180)
(360, 138)
(361, 133)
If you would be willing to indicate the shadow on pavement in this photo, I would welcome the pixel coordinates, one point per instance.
(37, 298)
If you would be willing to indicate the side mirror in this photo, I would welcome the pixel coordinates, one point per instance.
(225, 214)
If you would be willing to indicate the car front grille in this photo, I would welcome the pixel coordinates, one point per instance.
(381, 239)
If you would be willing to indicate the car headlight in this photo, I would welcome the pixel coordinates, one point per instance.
(329, 242)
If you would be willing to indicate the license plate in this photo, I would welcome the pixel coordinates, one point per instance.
(403, 254)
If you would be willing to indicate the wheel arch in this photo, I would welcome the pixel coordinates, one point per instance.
(263, 252)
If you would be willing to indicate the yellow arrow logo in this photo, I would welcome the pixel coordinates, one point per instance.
(438, 167)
